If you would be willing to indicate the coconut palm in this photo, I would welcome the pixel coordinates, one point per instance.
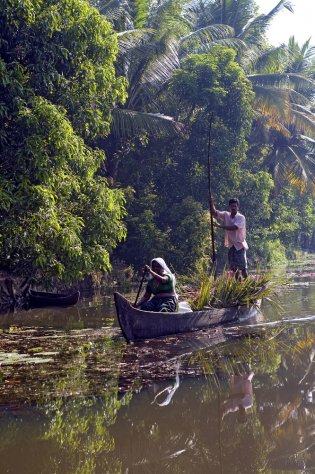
(150, 48)
(284, 92)
(157, 38)
(146, 57)
(300, 59)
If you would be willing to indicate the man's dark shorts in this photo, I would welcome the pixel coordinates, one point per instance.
(237, 259)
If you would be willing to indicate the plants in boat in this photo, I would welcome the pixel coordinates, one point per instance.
(225, 290)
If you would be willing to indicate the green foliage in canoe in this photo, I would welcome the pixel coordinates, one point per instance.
(225, 290)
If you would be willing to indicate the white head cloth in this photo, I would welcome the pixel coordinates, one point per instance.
(166, 269)
(162, 264)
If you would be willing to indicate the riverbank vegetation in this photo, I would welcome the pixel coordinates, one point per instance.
(104, 134)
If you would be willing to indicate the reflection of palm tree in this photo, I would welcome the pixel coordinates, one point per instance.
(294, 413)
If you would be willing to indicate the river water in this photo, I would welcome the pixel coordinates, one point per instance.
(76, 398)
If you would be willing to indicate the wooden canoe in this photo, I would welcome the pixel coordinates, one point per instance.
(41, 299)
(137, 324)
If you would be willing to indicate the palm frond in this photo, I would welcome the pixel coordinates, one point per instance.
(273, 124)
(308, 142)
(238, 14)
(233, 43)
(113, 9)
(299, 82)
(266, 61)
(304, 122)
(167, 17)
(255, 30)
(273, 102)
(292, 164)
(163, 64)
(130, 123)
(155, 70)
(210, 33)
(306, 51)
(191, 11)
(133, 39)
(276, 104)
(299, 100)
(297, 173)
(300, 59)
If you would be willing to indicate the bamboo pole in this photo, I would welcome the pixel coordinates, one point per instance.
(209, 189)
(140, 286)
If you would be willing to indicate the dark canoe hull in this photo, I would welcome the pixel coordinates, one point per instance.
(39, 299)
(137, 324)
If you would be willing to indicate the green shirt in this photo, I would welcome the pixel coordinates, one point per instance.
(156, 287)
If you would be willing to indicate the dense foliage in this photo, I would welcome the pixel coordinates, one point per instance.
(57, 88)
(261, 145)
(168, 209)
(62, 93)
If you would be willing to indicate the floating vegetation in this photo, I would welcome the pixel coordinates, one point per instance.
(12, 358)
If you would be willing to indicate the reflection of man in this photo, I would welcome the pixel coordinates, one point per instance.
(241, 395)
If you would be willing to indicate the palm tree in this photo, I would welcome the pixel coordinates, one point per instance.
(284, 91)
(300, 60)
(146, 58)
(150, 49)
(158, 38)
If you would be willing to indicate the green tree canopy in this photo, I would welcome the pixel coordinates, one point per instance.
(171, 179)
(215, 83)
(57, 88)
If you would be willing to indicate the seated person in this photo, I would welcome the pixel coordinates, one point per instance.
(162, 286)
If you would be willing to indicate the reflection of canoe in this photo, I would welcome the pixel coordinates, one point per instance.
(137, 324)
(41, 299)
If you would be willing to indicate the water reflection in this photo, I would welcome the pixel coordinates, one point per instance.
(78, 400)
(93, 312)
(194, 433)
(240, 397)
(169, 391)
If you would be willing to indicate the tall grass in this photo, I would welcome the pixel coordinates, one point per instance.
(203, 296)
(226, 290)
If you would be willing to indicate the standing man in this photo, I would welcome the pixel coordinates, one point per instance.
(234, 225)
